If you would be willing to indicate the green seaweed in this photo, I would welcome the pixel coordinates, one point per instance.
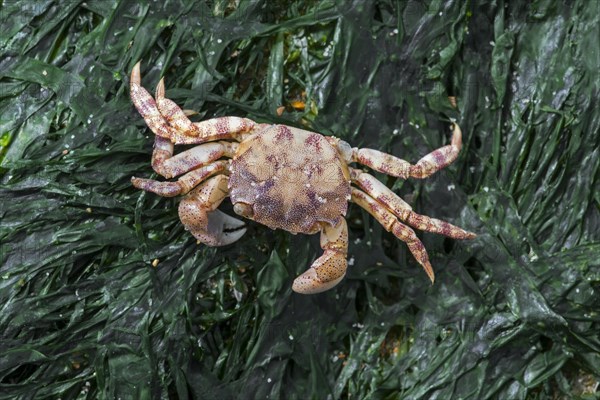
(103, 294)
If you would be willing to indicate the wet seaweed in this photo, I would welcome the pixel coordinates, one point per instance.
(103, 294)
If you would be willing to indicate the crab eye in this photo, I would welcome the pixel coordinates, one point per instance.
(345, 150)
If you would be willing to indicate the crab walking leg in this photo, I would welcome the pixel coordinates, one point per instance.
(146, 106)
(402, 210)
(391, 224)
(189, 132)
(193, 158)
(169, 166)
(166, 119)
(198, 213)
(329, 269)
(425, 167)
(163, 150)
(184, 184)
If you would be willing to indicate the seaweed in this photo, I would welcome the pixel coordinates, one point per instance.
(103, 294)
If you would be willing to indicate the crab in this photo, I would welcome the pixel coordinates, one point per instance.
(282, 177)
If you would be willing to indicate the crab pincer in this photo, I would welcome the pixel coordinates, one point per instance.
(198, 213)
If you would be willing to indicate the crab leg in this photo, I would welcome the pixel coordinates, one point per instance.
(198, 213)
(402, 210)
(391, 224)
(166, 119)
(425, 167)
(184, 184)
(163, 150)
(198, 132)
(329, 269)
(146, 106)
(193, 158)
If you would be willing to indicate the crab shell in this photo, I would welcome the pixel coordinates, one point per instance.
(305, 183)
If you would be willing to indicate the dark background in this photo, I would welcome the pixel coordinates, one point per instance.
(513, 314)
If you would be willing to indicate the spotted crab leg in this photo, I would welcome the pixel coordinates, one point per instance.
(329, 269)
(163, 150)
(193, 158)
(198, 213)
(391, 224)
(203, 131)
(382, 194)
(200, 160)
(184, 184)
(425, 167)
(167, 120)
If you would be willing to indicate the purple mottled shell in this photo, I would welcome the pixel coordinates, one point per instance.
(292, 178)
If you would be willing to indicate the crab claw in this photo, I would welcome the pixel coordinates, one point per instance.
(329, 269)
(326, 272)
(198, 213)
(214, 228)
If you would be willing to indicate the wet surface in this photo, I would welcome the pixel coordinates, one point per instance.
(87, 308)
